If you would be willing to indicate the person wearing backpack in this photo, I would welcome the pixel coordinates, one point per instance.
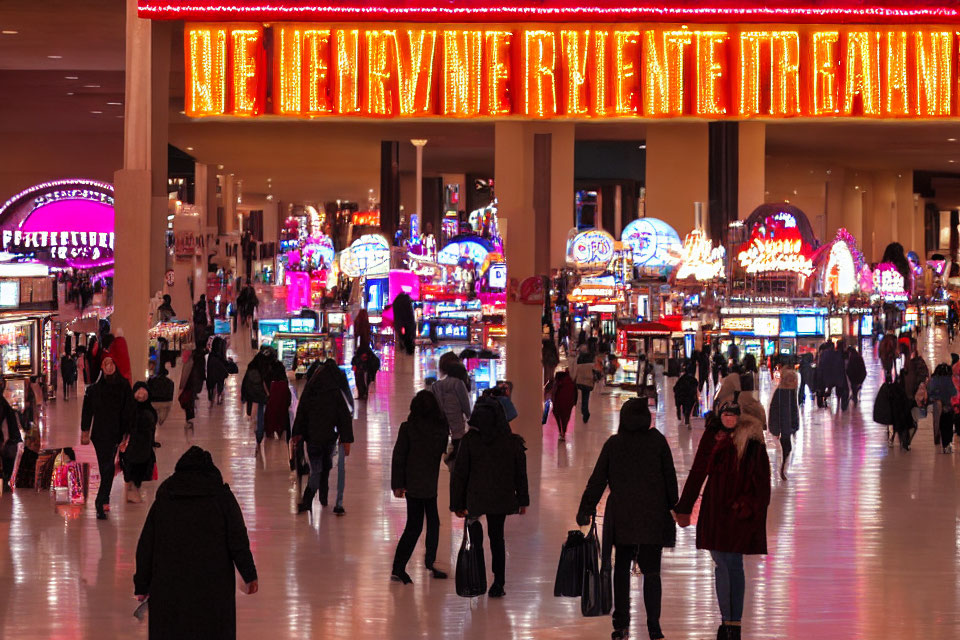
(415, 469)
(637, 465)
(490, 479)
(255, 388)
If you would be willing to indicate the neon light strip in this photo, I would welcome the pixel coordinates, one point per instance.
(277, 11)
(55, 183)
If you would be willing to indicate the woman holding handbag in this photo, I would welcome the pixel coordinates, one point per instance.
(732, 460)
(637, 465)
(421, 443)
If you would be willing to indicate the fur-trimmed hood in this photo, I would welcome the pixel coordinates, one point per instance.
(789, 379)
(748, 428)
(749, 405)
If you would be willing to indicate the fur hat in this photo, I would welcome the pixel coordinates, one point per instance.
(789, 378)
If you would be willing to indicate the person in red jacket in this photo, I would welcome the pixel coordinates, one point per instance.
(564, 400)
(732, 459)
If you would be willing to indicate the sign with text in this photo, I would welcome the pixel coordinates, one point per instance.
(572, 71)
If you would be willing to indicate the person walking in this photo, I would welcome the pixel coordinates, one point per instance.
(217, 370)
(702, 358)
(549, 359)
(362, 364)
(200, 321)
(915, 371)
(784, 415)
(856, 373)
(361, 329)
(165, 312)
(490, 479)
(68, 372)
(255, 388)
(106, 416)
(941, 394)
(452, 397)
(685, 393)
(637, 465)
(732, 459)
(414, 472)
(137, 452)
(563, 401)
(719, 368)
(276, 415)
(191, 383)
(806, 377)
(10, 437)
(323, 419)
(584, 377)
(192, 543)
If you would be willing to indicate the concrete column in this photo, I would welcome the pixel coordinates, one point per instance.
(513, 158)
(418, 208)
(229, 204)
(752, 160)
(561, 191)
(677, 171)
(883, 216)
(205, 193)
(138, 187)
(909, 233)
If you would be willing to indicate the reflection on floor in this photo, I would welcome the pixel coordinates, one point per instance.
(863, 538)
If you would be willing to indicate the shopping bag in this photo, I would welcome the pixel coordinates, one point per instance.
(16, 466)
(569, 581)
(595, 599)
(471, 575)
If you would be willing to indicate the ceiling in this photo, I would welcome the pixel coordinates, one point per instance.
(80, 93)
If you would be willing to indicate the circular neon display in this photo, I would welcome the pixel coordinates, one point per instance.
(591, 249)
(367, 255)
(654, 242)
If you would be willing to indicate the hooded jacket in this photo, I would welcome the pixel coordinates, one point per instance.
(831, 372)
(490, 475)
(784, 413)
(685, 390)
(217, 371)
(856, 369)
(736, 468)
(420, 445)
(107, 410)
(637, 465)
(941, 388)
(451, 394)
(323, 415)
(191, 543)
(729, 390)
(142, 430)
(915, 373)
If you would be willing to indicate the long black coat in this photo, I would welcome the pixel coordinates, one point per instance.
(108, 406)
(637, 465)
(490, 473)
(856, 369)
(323, 415)
(192, 539)
(416, 458)
(685, 390)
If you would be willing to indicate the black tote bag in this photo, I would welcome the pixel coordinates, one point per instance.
(471, 576)
(569, 582)
(597, 596)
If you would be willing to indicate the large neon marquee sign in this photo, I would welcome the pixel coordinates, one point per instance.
(701, 260)
(776, 246)
(571, 71)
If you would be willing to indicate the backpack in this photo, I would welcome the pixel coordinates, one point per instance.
(251, 389)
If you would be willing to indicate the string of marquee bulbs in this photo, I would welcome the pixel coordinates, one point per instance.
(395, 71)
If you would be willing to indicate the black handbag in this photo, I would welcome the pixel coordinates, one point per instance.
(569, 582)
(597, 596)
(471, 576)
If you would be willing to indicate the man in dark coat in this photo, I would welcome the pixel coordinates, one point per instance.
(806, 377)
(217, 369)
(685, 393)
(637, 465)
(68, 371)
(404, 323)
(490, 479)
(192, 540)
(831, 375)
(108, 408)
(323, 417)
(702, 359)
(10, 436)
(856, 373)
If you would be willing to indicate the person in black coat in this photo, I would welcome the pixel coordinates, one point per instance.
(807, 375)
(68, 372)
(137, 456)
(685, 393)
(107, 411)
(10, 437)
(421, 443)
(404, 322)
(856, 373)
(217, 370)
(637, 465)
(323, 418)
(719, 369)
(490, 479)
(192, 541)
(702, 359)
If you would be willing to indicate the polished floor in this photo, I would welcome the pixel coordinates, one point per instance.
(863, 538)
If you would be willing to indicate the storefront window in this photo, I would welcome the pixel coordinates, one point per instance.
(16, 347)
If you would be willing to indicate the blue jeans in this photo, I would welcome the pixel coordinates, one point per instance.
(730, 584)
(261, 408)
(341, 473)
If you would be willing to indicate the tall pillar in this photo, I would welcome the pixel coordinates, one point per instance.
(751, 163)
(136, 185)
(205, 193)
(909, 232)
(561, 191)
(677, 172)
(418, 209)
(389, 187)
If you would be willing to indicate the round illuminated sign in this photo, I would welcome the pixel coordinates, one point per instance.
(841, 273)
(592, 249)
(367, 255)
(462, 248)
(320, 251)
(654, 242)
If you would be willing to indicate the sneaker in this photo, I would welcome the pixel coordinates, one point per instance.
(338, 511)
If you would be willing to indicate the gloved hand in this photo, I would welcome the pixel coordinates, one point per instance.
(583, 519)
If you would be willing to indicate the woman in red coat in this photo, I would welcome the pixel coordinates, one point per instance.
(564, 400)
(732, 458)
(276, 417)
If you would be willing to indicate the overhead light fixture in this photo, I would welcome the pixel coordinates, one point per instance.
(9, 32)
(951, 161)
(189, 148)
(55, 57)
(96, 112)
(269, 197)
(91, 86)
(115, 104)
(642, 146)
(71, 77)
(69, 93)
(951, 139)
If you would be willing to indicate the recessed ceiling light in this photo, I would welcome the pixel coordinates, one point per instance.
(71, 77)
(951, 161)
(91, 86)
(96, 112)
(9, 32)
(69, 93)
(951, 139)
(55, 57)
(189, 148)
(219, 166)
(115, 104)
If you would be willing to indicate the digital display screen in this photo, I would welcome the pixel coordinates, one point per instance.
(10, 293)
(303, 325)
(809, 325)
(221, 327)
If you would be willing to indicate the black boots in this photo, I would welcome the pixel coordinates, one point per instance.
(728, 632)
(307, 502)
